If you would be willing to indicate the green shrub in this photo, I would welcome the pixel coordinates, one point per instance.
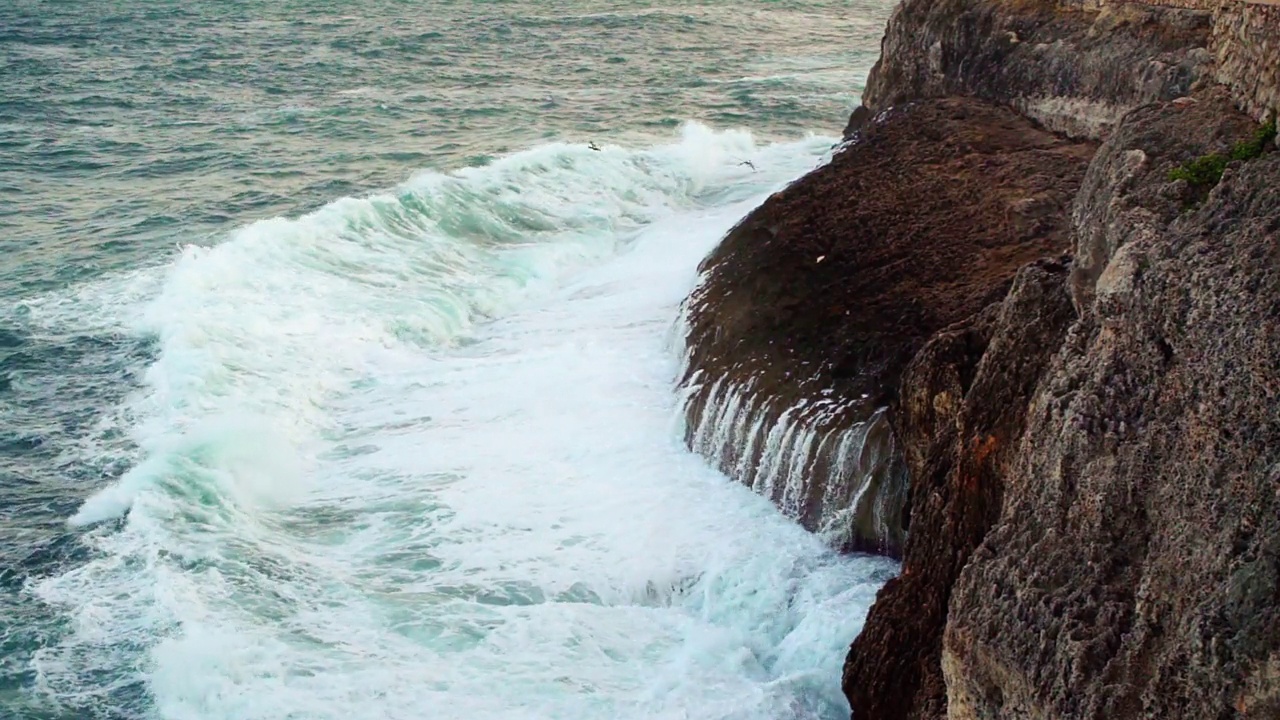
(1206, 171)
(1256, 145)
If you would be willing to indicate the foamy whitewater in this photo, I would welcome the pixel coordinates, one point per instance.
(417, 455)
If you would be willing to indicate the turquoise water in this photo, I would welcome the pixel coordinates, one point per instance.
(335, 368)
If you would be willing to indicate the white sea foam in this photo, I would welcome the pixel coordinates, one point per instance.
(412, 456)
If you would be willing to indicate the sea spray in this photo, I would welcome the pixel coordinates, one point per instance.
(239, 324)
(389, 468)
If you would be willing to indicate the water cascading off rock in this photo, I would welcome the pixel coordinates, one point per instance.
(830, 466)
(812, 306)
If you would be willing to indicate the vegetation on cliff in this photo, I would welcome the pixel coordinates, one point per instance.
(1206, 171)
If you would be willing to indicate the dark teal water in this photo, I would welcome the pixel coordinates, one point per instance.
(128, 126)
(130, 130)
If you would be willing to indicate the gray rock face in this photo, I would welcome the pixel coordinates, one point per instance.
(1074, 71)
(962, 410)
(1126, 196)
(1246, 38)
(1134, 568)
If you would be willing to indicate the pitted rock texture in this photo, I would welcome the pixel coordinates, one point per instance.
(1246, 46)
(833, 284)
(1134, 569)
(1076, 71)
(960, 417)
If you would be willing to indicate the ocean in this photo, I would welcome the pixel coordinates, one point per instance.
(337, 359)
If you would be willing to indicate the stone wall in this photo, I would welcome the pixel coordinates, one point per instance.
(1246, 46)
(1095, 5)
(1073, 70)
(1206, 5)
(1077, 66)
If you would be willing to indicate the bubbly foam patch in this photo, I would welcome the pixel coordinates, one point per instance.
(284, 315)
(414, 455)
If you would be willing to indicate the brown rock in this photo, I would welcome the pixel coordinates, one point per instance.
(832, 285)
(959, 420)
(1134, 569)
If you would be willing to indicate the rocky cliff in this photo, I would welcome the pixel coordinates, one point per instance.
(1071, 358)
(1133, 569)
(1074, 70)
(1085, 502)
(815, 302)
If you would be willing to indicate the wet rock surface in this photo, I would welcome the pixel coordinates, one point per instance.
(821, 296)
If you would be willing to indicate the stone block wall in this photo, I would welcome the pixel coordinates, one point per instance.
(1246, 46)
(1206, 5)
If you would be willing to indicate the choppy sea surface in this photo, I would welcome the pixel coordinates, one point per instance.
(336, 366)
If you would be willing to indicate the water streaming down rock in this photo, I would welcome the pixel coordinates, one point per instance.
(826, 463)
(813, 304)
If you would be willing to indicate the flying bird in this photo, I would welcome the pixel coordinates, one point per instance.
(749, 164)
(592, 146)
